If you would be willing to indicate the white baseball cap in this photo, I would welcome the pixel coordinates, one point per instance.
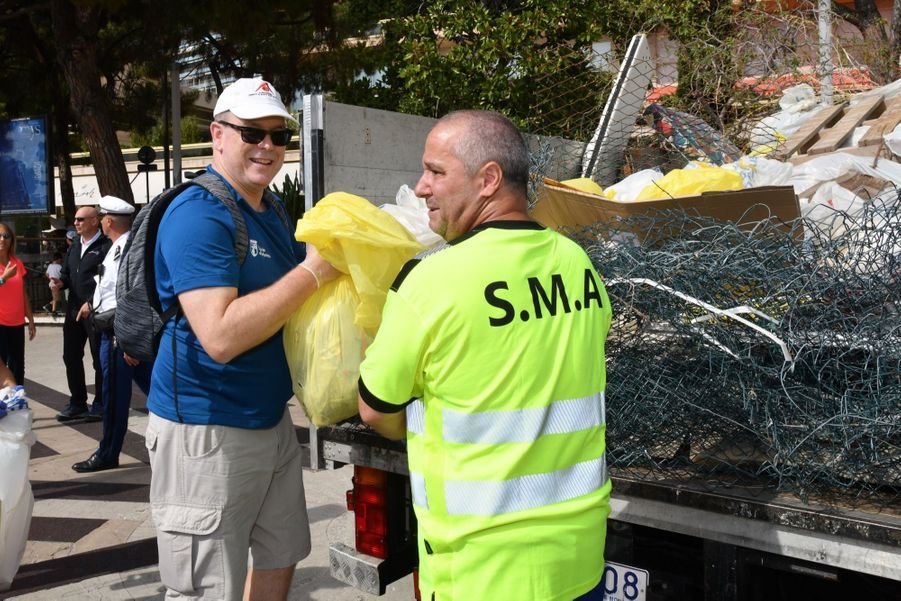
(251, 98)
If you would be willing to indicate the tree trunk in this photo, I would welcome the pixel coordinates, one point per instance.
(896, 35)
(60, 129)
(75, 33)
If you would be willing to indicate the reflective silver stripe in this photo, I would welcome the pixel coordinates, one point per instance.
(467, 497)
(417, 488)
(523, 425)
(416, 417)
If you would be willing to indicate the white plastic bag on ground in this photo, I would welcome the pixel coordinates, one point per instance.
(412, 213)
(759, 171)
(798, 104)
(831, 207)
(631, 187)
(16, 498)
(808, 176)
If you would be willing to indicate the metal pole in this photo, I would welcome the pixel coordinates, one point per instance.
(824, 9)
(313, 149)
(165, 131)
(174, 77)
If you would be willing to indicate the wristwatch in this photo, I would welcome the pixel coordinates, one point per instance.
(2, 281)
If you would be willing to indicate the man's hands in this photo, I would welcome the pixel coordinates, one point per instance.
(83, 312)
(322, 270)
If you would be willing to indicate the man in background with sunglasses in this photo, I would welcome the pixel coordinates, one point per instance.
(226, 465)
(80, 267)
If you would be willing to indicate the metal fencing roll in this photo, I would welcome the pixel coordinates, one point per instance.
(766, 357)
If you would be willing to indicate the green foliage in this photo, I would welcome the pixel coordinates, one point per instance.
(459, 54)
(291, 194)
(192, 131)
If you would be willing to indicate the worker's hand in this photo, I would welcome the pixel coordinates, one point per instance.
(130, 360)
(83, 312)
(10, 270)
(31, 330)
(320, 267)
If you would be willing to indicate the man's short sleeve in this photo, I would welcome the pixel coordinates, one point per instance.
(197, 243)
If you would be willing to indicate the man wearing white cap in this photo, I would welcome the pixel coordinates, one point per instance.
(118, 369)
(226, 466)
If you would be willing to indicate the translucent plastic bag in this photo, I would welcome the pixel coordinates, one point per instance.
(324, 348)
(16, 498)
(326, 338)
(412, 213)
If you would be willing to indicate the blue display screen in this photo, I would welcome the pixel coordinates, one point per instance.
(26, 176)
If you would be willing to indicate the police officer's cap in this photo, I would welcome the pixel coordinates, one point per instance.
(110, 205)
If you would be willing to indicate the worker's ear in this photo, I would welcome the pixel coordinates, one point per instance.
(492, 175)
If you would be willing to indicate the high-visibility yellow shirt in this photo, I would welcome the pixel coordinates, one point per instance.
(501, 336)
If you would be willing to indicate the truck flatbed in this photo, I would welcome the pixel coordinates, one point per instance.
(861, 539)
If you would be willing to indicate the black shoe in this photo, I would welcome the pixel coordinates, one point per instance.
(72, 412)
(95, 414)
(94, 464)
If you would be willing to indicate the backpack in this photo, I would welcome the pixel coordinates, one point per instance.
(139, 316)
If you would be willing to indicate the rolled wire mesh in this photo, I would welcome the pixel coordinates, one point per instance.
(767, 358)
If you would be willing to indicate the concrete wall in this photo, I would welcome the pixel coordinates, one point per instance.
(372, 153)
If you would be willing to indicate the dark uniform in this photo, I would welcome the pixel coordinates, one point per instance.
(78, 276)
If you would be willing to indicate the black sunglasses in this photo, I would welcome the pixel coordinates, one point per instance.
(255, 135)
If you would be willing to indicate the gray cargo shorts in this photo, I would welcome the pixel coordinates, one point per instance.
(217, 491)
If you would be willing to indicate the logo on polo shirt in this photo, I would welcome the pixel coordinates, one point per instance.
(258, 251)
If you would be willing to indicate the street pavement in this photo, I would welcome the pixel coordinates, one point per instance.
(91, 535)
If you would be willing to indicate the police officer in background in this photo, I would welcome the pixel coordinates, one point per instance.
(119, 370)
(501, 335)
(80, 267)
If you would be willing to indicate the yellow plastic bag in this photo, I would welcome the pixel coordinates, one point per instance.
(363, 241)
(692, 181)
(324, 348)
(326, 338)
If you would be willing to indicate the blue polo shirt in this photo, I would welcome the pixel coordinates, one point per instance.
(196, 249)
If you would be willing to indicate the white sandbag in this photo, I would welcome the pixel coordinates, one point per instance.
(16, 498)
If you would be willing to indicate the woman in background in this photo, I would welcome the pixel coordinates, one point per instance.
(15, 306)
(54, 269)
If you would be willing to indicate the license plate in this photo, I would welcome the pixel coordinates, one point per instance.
(624, 583)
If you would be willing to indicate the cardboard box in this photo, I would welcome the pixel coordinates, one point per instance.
(561, 207)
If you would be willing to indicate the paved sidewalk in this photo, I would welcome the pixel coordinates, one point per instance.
(91, 536)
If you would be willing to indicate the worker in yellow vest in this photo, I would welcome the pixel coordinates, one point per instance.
(500, 336)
